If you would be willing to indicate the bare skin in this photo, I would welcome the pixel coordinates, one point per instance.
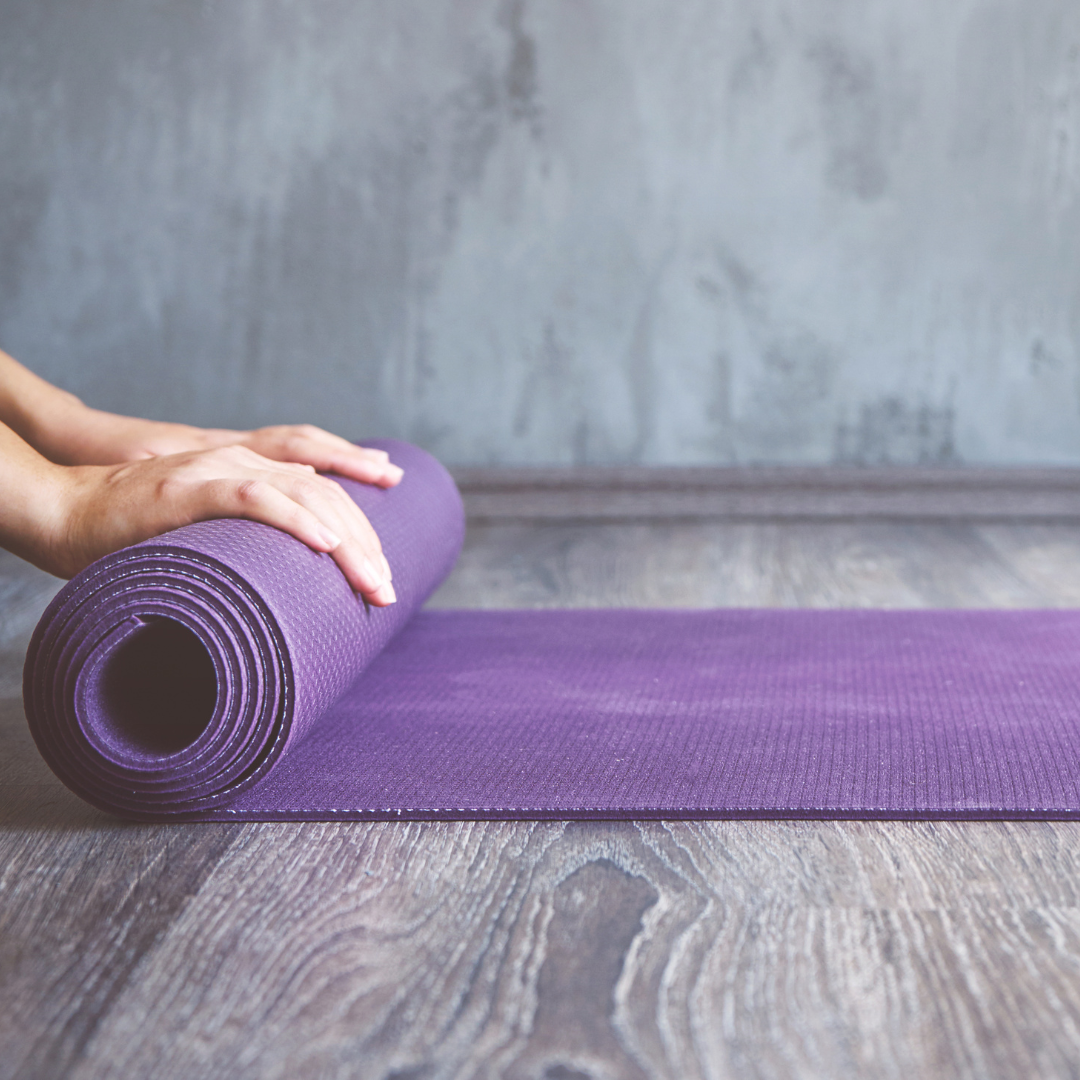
(77, 483)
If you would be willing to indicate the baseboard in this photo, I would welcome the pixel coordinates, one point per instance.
(770, 492)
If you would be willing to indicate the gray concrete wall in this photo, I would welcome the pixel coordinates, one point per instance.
(670, 231)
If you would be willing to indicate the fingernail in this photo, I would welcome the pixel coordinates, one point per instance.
(386, 567)
(331, 540)
(394, 473)
(372, 578)
(386, 594)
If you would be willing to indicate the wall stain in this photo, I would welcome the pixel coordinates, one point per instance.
(641, 376)
(799, 366)
(1041, 359)
(520, 77)
(795, 367)
(24, 204)
(264, 213)
(851, 117)
(754, 67)
(1063, 106)
(479, 110)
(893, 432)
(718, 408)
(551, 393)
(474, 118)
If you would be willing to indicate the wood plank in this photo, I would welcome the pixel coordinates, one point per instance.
(24, 592)
(1046, 556)
(83, 897)
(771, 492)
(604, 949)
(718, 949)
(753, 564)
(79, 910)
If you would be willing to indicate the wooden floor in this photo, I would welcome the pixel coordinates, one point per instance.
(553, 950)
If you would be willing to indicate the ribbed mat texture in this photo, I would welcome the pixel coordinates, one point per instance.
(226, 672)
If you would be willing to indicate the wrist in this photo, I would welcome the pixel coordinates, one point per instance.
(35, 511)
(43, 416)
(79, 435)
(56, 426)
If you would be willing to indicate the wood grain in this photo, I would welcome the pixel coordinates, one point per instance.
(560, 950)
(754, 564)
(614, 950)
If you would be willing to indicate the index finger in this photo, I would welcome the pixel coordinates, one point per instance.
(329, 453)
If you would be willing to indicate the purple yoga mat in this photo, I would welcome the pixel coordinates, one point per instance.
(226, 672)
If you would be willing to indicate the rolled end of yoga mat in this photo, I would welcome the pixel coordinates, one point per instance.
(167, 678)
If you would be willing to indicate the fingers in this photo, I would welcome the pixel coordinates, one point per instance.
(294, 498)
(317, 512)
(245, 457)
(359, 554)
(104, 508)
(325, 452)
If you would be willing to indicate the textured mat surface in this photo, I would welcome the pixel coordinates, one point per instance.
(226, 672)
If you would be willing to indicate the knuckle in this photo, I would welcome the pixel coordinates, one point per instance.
(306, 488)
(213, 458)
(367, 537)
(231, 456)
(173, 485)
(249, 492)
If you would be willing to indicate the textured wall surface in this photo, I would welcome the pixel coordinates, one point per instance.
(678, 231)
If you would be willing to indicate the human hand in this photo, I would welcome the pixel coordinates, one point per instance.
(99, 481)
(309, 445)
(91, 437)
(85, 512)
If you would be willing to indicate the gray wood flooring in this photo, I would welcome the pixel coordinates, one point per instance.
(554, 950)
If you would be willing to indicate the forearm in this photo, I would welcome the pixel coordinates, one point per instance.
(42, 415)
(77, 483)
(62, 518)
(31, 501)
(60, 427)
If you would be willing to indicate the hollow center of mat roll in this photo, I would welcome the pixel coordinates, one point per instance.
(157, 690)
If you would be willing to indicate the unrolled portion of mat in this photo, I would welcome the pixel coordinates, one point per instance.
(684, 714)
(226, 672)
